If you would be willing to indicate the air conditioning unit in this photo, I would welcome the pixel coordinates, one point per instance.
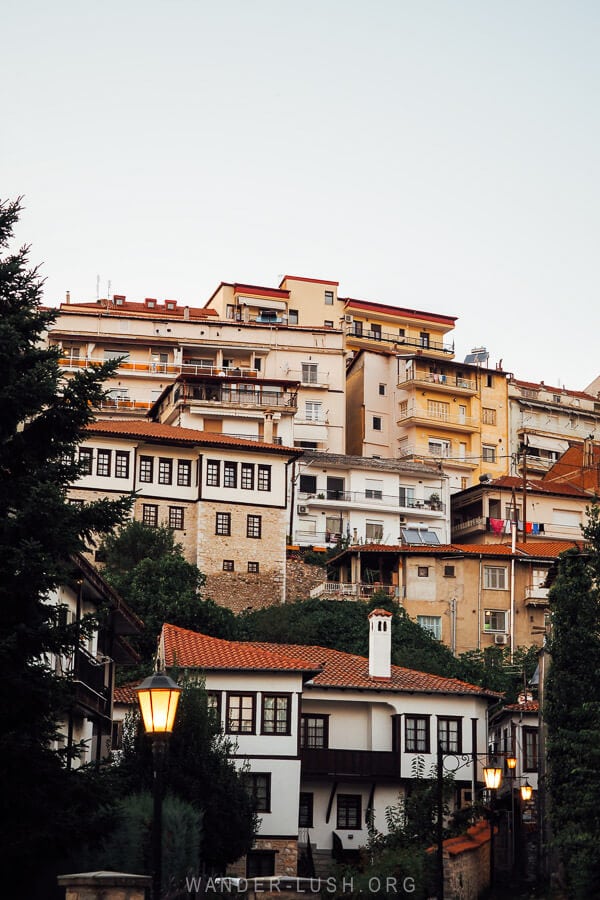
(302, 510)
(402, 520)
(501, 639)
(347, 318)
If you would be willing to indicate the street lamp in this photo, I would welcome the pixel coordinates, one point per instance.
(511, 765)
(526, 791)
(158, 696)
(492, 775)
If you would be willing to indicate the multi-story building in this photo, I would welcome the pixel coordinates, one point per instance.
(469, 596)
(243, 369)
(225, 499)
(422, 406)
(545, 421)
(327, 739)
(366, 500)
(91, 664)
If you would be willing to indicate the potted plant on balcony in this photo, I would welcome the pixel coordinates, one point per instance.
(435, 501)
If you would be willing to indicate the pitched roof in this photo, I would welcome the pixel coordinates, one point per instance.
(330, 668)
(190, 649)
(534, 549)
(137, 309)
(154, 431)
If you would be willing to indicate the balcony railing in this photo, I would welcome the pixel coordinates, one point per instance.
(157, 368)
(372, 497)
(350, 763)
(355, 591)
(536, 595)
(90, 680)
(416, 412)
(370, 334)
(236, 395)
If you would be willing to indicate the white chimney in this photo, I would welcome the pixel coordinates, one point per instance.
(380, 643)
(268, 428)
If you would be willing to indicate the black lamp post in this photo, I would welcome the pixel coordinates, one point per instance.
(492, 775)
(158, 696)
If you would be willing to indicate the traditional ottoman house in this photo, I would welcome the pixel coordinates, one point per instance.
(329, 738)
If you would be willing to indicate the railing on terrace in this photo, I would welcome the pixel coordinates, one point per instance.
(357, 590)
(89, 677)
(413, 412)
(391, 338)
(373, 497)
(156, 368)
(478, 523)
(353, 763)
(235, 395)
(124, 403)
(450, 381)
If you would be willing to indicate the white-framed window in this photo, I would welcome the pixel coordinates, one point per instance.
(438, 447)
(373, 489)
(373, 530)
(310, 373)
(495, 620)
(437, 409)
(488, 453)
(433, 624)
(313, 411)
(494, 578)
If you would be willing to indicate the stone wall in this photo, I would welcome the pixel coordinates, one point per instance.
(286, 857)
(467, 863)
(241, 591)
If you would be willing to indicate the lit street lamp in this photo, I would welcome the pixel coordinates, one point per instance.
(158, 696)
(492, 775)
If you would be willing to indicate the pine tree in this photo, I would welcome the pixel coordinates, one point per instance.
(42, 420)
(572, 713)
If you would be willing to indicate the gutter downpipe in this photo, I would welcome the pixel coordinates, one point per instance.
(512, 589)
(479, 603)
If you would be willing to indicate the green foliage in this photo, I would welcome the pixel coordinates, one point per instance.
(198, 768)
(572, 712)
(148, 569)
(43, 417)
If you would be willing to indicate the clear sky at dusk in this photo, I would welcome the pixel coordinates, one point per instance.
(435, 155)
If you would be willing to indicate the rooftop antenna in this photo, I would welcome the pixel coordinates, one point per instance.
(97, 287)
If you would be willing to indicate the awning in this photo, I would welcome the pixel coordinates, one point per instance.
(262, 304)
(310, 432)
(547, 443)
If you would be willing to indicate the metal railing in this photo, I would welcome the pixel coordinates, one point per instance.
(372, 497)
(388, 337)
(451, 381)
(356, 590)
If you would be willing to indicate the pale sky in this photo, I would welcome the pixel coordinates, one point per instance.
(439, 155)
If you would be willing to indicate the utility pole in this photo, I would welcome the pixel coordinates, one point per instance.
(524, 447)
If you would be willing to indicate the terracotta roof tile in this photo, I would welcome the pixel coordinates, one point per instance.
(534, 548)
(139, 310)
(126, 694)
(154, 431)
(527, 706)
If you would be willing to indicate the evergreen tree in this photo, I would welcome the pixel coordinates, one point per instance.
(572, 713)
(42, 421)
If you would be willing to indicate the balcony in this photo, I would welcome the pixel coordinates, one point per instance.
(451, 383)
(360, 335)
(415, 415)
(236, 395)
(128, 366)
(337, 590)
(350, 764)
(90, 678)
(536, 595)
(370, 499)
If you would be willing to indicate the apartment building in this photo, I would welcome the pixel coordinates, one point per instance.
(366, 500)
(225, 499)
(327, 739)
(91, 664)
(246, 368)
(469, 596)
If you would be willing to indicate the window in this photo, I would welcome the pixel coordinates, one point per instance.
(449, 572)
(334, 527)
(357, 326)
(530, 749)
(373, 531)
(122, 464)
(313, 410)
(494, 578)
(488, 416)
(488, 453)
(489, 381)
(432, 624)
(213, 468)
(375, 332)
(306, 810)
(165, 471)
(407, 496)
(247, 479)
(223, 523)
(253, 567)
(86, 457)
(495, 620)
(240, 713)
(115, 354)
(437, 447)
(314, 732)
(276, 713)
(423, 571)
(416, 734)
(382, 390)
(146, 468)
(308, 484)
(258, 785)
(73, 501)
(373, 489)
(349, 811)
(260, 863)
(376, 423)
(424, 339)
(103, 463)
(293, 316)
(230, 475)
(150, 514)
(309, 373)
(228, 565)
(436, 409)
(328, 323)
(449, 735)
(328, 298)
(213, 702)
(176, 518)
(264, 478)
(254, 526)
(184, 473)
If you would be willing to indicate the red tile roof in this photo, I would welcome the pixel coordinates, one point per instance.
(533, 548)
(126, 694)
(534, 385)
(330, 668)
(154, 431)
(129, 309)
(511, 482)
(526, 706)
(190, 649)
